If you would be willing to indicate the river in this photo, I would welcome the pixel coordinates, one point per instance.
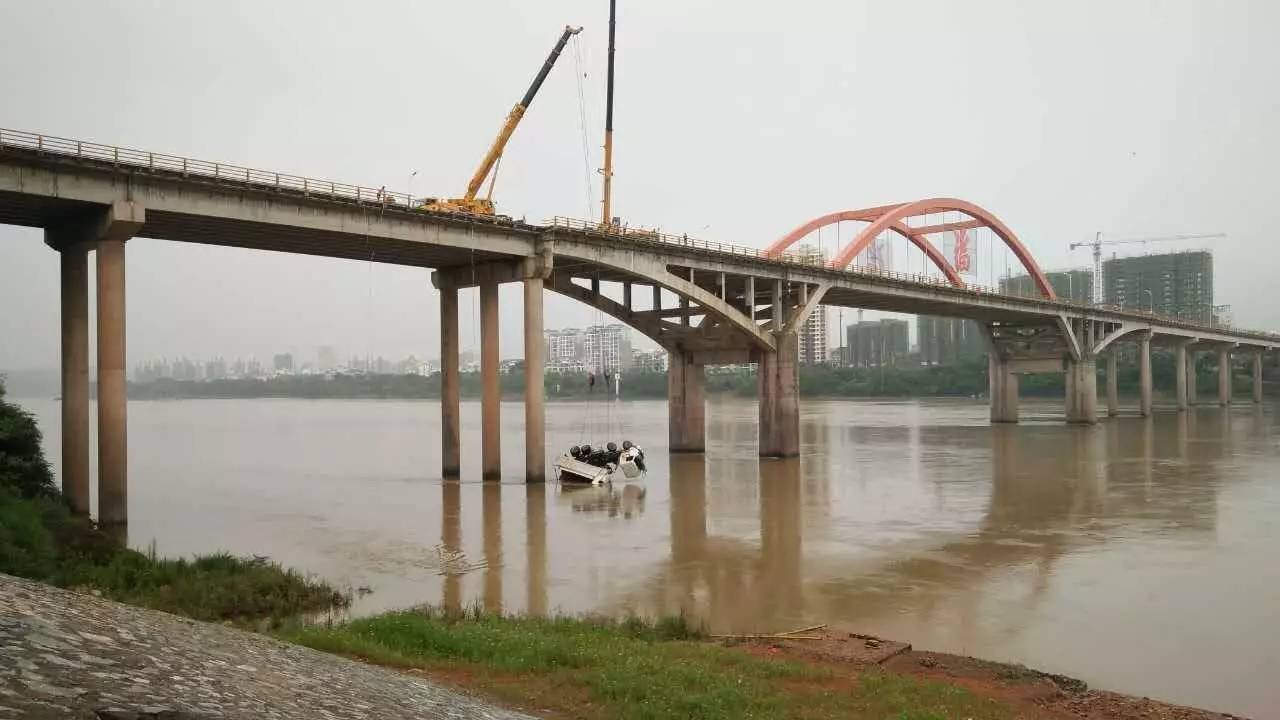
(1140, 556)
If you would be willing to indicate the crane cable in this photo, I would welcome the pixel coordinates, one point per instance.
(582, 124)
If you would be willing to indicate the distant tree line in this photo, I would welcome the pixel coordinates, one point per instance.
(966, 378)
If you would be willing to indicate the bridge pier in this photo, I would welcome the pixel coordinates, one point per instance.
(1082, 391)
(106, 234)
(535, 442)
(1224, 376)
(1257, 376)
(75, 377)
(450, 396)
(780, 397)
(1180, 375)
(1113, 392)
(1002, 389)
(1144, 375)
(1193, 390)
(685, 406)
(490, 390)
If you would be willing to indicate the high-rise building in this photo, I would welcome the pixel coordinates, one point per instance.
(813, 334)
(1073, 285)
(596, 348)
(650, 360)
(326, 359)
(1176, 284)
(878, 343)
(607, 347)
(813, 337)
(283, 363)
(564, 346)
(945, 340)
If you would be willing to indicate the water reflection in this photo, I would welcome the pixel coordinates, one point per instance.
(491, 509)
(451, 540)
(624, 500)
(535, 532)
(1038, 543)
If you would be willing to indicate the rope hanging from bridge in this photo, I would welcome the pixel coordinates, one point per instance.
(582, 124)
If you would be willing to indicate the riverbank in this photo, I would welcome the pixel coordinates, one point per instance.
(42, 540)
(73, 655)
(631, 669)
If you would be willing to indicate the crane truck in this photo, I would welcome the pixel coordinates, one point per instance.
(471, 202)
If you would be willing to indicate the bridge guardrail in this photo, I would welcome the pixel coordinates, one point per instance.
(312, 187)
(646, 235)
(145, 159)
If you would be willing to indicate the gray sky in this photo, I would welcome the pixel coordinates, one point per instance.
(735, 122)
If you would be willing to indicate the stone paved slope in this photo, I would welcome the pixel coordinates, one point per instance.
(64, 654)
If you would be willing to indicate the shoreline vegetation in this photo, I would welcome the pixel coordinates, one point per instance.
(634, 669)
(41, 540)
(630, 669)
(560, 667)
(967, 378)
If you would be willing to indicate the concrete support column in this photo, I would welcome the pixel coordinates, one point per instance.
(490, 390)
(1224, 376)
(75, 378)
(450, 413)
(1002, 390)
(535, 441)
(1257, 376)
(1193, 390)
(1180, 375)
(1144, 376)
(1082, 391)
(113, 451)
(780, 397)
(1113, 392)
(685, 406)
(749, 299)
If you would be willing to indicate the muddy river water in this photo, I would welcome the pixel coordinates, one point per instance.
(1141, 556)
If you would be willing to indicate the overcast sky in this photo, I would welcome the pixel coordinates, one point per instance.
(734, 122)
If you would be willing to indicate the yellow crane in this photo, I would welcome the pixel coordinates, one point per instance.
(1098, 242)
(470, 202)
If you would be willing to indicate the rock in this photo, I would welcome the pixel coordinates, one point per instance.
(928, 662)
(115, 713)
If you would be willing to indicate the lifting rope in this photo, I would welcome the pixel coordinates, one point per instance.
(582, 124)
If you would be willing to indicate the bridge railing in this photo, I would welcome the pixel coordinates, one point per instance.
(645, 235)
(187, 167)
(656, 237)
(146, 160)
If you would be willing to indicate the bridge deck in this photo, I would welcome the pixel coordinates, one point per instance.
(47, 181)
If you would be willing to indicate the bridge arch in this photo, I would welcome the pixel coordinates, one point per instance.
(563, 285)
(893, 218)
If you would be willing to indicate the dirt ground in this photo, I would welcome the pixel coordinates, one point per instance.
(1030, 693)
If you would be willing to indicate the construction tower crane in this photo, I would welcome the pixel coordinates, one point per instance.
(470, 203)
(1098, 242)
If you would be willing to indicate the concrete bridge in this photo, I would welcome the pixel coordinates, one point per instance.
(733, 304)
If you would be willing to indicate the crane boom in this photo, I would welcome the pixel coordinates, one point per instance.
(469, 202)
(1098, 242)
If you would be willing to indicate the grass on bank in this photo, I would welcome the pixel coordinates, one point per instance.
(41, 540)
(631, 669)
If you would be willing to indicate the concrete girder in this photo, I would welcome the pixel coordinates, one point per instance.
(1069, 337)
(650, 268)
(802, 312)
(243, 210)
(655, 330)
